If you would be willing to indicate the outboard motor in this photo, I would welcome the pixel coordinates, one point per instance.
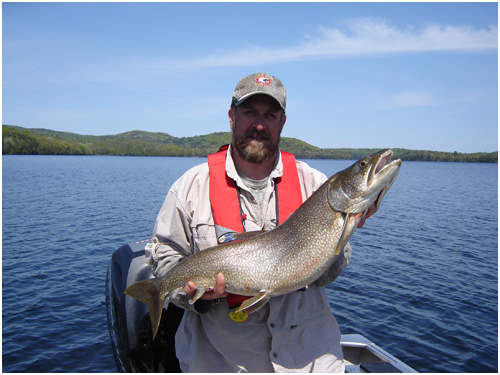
(128, 319)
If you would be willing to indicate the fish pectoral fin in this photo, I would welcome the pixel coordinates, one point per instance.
(255, 303)
(196, 296)
(350, 223)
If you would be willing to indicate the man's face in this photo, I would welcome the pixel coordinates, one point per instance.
(256, 124)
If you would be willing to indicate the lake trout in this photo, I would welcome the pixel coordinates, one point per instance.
(289, 257)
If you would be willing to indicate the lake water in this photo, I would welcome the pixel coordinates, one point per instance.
(422, 282)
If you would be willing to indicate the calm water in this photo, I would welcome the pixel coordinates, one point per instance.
(422, 282)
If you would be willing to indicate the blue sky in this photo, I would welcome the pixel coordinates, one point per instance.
(412, 75)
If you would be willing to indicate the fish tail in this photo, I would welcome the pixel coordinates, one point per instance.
(149, 292)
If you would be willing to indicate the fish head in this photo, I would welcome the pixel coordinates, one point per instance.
(356, 188)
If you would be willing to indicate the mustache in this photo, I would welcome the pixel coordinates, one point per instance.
(254, 133)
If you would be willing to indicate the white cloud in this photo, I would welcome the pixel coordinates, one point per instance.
(407, 99)
(411, 99)
(361, 37)
(367, 37)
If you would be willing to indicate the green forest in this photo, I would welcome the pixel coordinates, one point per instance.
(23, 141)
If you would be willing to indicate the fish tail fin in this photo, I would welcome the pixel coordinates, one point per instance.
(148, 291)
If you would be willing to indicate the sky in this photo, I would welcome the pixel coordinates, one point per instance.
(421, 76)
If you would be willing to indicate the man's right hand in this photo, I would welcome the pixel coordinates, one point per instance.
(217, 292)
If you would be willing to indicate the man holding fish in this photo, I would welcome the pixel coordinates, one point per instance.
(249, 186)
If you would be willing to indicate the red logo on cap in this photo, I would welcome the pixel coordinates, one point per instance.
(263, 81)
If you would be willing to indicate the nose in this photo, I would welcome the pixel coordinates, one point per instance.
(259, 126)
(259, 123)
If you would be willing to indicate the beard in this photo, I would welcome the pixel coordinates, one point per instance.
(255, 151)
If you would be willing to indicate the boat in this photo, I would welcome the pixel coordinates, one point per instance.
(131, 336)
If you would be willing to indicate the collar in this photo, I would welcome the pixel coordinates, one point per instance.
(232, 173)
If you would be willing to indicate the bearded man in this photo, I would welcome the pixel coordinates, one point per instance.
(249, 186)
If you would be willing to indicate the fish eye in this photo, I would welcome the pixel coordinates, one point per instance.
(362, 163)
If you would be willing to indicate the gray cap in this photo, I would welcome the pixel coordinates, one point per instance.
(259, 83)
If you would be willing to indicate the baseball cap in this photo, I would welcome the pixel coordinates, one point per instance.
(259, 83)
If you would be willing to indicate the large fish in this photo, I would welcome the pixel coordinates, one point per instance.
(289, 257)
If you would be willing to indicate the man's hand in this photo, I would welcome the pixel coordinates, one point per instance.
(370, 212)
(217, 292)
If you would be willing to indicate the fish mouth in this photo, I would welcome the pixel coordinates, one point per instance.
(383, 168)
(383, 175)
(384, 160)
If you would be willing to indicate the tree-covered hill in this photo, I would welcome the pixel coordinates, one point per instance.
(18, 140)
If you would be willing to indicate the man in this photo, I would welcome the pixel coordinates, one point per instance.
(252, 186)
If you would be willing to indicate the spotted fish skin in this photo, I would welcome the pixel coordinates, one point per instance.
(289, 257)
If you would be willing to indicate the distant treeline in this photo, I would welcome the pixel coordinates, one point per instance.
(18, 141)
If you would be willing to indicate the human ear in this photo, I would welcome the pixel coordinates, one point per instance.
(283, 123)
(230, 114)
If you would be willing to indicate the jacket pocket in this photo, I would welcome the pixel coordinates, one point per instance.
(314, 337)
(203, 236)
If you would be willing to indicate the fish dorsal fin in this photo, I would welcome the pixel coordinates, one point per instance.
(255, 303)
(220, 230)
(236, 237)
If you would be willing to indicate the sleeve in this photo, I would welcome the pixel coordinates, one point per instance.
(172, 238)
(310, 179)
(170, 243)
